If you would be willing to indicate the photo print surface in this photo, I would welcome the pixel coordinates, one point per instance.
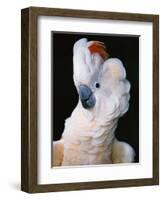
(95, 99)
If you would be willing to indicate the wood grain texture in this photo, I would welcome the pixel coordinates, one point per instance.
(24, 100)
(29, 174)
(156, 100)
(91, 14)
(29, 101)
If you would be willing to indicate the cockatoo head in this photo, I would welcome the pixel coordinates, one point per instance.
(101, 82)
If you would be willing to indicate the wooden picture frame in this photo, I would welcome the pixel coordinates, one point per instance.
(29, 112)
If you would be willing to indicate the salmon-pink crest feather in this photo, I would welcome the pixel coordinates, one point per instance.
(98, 47)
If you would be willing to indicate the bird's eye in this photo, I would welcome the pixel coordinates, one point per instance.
(97, 85)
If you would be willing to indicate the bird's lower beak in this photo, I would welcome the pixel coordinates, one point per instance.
(86, 96)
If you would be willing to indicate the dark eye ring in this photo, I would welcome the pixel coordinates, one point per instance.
(97, 85)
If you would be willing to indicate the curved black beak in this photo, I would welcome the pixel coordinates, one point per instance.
(86, 96)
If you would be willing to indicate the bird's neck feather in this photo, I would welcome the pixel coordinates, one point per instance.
(83, 125)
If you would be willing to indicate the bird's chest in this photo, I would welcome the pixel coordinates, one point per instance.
(87, 151)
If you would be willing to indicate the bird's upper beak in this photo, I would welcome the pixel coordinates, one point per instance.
(86, 96)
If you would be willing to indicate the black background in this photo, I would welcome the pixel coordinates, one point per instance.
(64, 94)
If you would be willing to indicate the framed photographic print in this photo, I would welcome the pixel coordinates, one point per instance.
(90, 99)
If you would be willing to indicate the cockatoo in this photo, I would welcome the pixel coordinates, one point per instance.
(89, 133)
